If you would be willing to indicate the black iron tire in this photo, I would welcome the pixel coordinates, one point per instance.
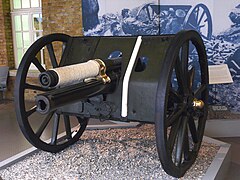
(176, 128)
(23, 115)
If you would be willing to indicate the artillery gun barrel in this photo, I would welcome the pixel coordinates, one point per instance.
(69, 94)
(72, 74)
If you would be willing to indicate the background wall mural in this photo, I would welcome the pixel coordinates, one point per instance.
(217, 22)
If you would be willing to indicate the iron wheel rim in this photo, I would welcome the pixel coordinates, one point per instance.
(19, 92)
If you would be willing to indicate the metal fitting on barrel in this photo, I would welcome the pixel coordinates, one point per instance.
(102, 71)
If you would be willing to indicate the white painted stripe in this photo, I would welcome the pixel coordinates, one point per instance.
(127, 76)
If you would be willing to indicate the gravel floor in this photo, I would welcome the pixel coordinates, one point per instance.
(106, 154)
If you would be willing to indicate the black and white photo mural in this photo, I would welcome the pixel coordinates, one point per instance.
(218, 23)
(224, 48)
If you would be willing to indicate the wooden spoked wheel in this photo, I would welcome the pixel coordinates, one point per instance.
(199, 18)
(181, 103)
(147, 11)
(37, 128)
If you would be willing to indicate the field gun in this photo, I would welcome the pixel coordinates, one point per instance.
(161, 80)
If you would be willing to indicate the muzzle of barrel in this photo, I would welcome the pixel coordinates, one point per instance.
(48, 79)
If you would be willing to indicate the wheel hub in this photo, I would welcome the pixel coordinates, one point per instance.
(198, 103)
(191, 102)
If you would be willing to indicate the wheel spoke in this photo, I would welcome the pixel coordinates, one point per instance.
(174, 95)
(192, 26)
(67, 126)
(180, 141)
(52, 55)
(193, 129)
(38, 65)
(197, 13)
(44, 124)
(184, 59)
(55, 129)
(179, 75)
(31, 111)
(200, 19)
(191, 74)
(184, 54)
(64, 45)
(201, 26)
(174, 116)
(186, 146)
(200, 90)
(173, 135)
(203, 36)
(64, 51)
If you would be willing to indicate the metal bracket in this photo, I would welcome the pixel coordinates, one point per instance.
(102, 72)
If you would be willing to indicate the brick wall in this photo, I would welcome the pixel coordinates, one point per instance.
(59, 16)
(3, 48)
(6, 42)
(62, 16)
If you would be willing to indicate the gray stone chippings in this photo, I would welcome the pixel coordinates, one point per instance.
(106, 154)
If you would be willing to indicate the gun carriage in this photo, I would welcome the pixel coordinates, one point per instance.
(149, 79)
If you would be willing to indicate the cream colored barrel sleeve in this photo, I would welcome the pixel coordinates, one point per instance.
(76, 73)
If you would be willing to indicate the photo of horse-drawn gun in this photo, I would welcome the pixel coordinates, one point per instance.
(153, 19)
(173, 18)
